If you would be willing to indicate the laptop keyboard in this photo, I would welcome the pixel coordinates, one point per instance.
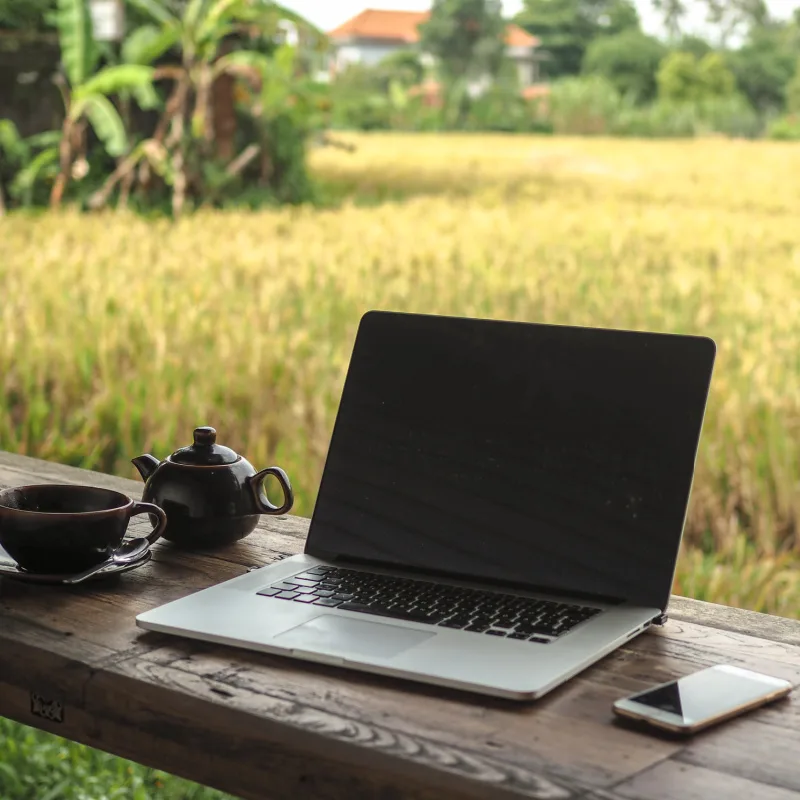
(475, 610)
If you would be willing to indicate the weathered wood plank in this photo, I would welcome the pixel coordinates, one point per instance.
(261, 726)
(334, 747)
(570, 731)
(768, 626)
(755, 750)
(674, 781)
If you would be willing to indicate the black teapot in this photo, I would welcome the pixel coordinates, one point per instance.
(211, 495)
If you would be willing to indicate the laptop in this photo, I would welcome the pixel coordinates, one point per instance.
(502, 505)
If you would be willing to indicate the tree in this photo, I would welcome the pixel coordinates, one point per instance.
(24, 161)
(566, 28)
(672, 12)
(187, 146)
(715, 77)
(402, 66)
(86, 92)
(618, 17)
(793, 91)
(682, 78)
(25, 14)
(765, 64)
(629, 60)
(467, 37)
(730, 16)
(695, 45)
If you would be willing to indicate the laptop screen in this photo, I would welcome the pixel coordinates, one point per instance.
(541, 456)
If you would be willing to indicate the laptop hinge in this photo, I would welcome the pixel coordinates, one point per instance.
(495, 584)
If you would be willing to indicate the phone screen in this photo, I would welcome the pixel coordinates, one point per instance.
(708, 693)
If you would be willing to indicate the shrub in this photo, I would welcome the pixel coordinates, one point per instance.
(629, 60)
(732, 116)
(786, 128)
(587, 105)
(683, 78)
(793, 91)
(501, 108)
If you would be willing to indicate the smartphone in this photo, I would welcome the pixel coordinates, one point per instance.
(702, 699)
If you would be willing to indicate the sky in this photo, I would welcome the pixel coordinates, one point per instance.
(327, 14)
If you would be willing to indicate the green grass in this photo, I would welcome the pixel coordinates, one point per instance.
(39, 766)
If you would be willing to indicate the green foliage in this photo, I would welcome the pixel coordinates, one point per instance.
(695, 45)
(148, 43)
(195, 43)
(105, 120)
(765, 64)
(502, 108)
(377, 97)
(793, 91)
(466, 37)
(672, 13)
(88, 91)
(584, 106)
(678, 78)
(629, 60)
(25, 163)
(786, 128)
(228, 40)
(732, 17)
(566, 28)
(403, 67)
(12, 145)
(592, 105)
(359, 100)
(26, 15)
(79, 53)
(731, 116)
(714, 77)
(114, 80)
(682, 78)
(39, 766)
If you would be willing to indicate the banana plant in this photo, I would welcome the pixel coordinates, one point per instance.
(193, 123)
(86, 92)
(30, 159)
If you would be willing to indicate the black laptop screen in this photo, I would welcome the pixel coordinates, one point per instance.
(538, 455)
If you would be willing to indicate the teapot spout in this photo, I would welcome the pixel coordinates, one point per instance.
(146, 465)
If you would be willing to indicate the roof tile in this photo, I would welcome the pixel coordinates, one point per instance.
(402, 26)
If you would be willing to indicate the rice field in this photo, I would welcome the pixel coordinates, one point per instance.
(118, 335)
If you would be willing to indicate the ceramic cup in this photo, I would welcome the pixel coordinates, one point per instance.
(58, 529)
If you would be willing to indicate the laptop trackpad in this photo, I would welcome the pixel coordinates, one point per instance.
(352, 637)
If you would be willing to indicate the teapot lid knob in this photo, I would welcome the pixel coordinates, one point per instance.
(205, 436)
(205, 452)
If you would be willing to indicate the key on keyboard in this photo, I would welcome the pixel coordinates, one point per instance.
(482, 612)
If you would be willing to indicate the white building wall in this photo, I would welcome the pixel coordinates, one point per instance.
(362, 53)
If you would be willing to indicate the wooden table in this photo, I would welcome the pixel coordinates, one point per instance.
(73, 662)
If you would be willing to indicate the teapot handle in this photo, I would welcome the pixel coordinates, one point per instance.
(256, 483)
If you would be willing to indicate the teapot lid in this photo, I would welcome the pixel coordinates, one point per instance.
(205, 452)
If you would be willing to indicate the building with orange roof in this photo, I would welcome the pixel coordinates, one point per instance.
(374, 34)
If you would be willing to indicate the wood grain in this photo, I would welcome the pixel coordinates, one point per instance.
(262, 726)
(673, 781)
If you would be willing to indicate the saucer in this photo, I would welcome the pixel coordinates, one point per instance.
(8, 569)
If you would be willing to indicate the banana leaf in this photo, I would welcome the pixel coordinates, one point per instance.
(105, 120)
(149, 42)
(78, 51)
(113, 80)
(24, 181)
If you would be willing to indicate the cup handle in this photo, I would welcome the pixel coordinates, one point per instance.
(256, 483)
(149, 508)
